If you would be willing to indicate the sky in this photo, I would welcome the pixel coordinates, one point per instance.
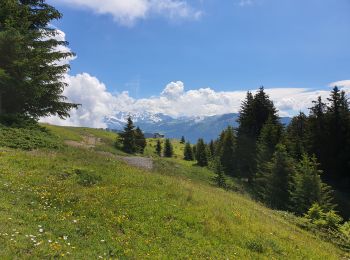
(199, 57)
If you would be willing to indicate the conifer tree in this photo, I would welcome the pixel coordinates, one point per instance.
(297, 136)
(201, 153)
(182, 140)
(188, 153)
(270, 136)
(159, 148)
(212, 149)
(254, 113)
(227, 154)
(194, 149)
(168, 149)
(31, 78)
(140, 140)
(220, 175)
(278, 179)
(128, 137)
(308, 187)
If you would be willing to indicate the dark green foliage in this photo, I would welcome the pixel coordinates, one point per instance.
(297, 136)
(140, 140)
(168, 149)
(227, 151)
(159, 148)
(87, 178)
(30, 76)
(188, 153)
(27, 139)
(201, 153)
(254, 113)
(128, 137)
(183, 141)
(194, 149)
(308, 187)
(270, 136)
(276, 193)
(220, 175)
(212, 148)
(329, 128)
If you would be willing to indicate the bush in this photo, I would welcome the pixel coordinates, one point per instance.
(345, 229)
(317, 216)
(27, 139)
(87, 178)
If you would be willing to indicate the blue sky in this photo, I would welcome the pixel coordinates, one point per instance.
(199, 57)
(231, 46)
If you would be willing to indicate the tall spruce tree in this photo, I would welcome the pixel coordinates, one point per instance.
(128, 137)
(31, 78)
(270, 136)
(140, 140)
(168, 149)
(188, 153)
(308, 187)
(182, 141)
(227, 153)
(201, 153)
(338, 116)
(297, 136)
(159, 148)
(278, 179)
(254, 113)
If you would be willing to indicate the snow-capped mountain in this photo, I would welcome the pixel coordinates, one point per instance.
(192, 128)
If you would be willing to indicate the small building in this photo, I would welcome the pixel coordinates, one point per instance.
(158, 135)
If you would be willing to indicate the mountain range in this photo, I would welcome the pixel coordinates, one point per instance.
(207, 127)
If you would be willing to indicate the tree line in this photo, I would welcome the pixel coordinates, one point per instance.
(287, 167)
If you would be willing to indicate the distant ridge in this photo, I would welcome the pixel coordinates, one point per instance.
(208, 127)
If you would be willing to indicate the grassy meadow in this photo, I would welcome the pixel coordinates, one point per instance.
(82, 203)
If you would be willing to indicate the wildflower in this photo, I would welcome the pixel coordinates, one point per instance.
(65, 237)
(41, 230)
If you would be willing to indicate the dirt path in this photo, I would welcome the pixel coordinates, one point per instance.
(91, 142)
(140, 162)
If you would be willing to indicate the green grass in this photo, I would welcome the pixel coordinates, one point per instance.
(77, 203)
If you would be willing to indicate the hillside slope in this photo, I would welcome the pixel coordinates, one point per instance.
(83, 202)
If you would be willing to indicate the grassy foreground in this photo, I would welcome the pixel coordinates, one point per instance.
(79, 203)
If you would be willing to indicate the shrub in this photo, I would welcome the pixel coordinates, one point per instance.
(27, 139)
(87, 178)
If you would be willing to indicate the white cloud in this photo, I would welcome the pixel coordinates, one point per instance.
(97, 102)
(92, 95)
(345, 84)
(127, 12)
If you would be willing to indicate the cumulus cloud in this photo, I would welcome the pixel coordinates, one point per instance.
(96, 102)
(345, 84)
(174, 100)
(128, 12)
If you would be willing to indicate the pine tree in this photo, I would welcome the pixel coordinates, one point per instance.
(254, 113)
(308, 187)
(227, 154)
(128, 137)
(194, 149)
(337, 150)
(182, 140)
(212, 149)
(220, 175)
(297, 136)
(168, 149)
(31, 82)
(159, 148)
(201, 153)
(140, 140)
(278, 179)
(188, 153)
(270, 136)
